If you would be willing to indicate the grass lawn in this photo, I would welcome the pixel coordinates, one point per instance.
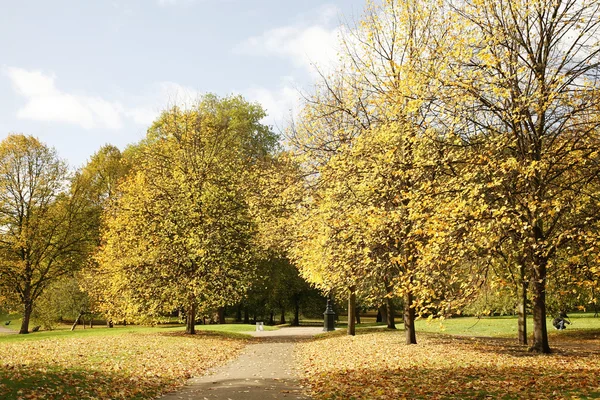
(484, 326)
(129, 362)
(232, 330)
(498, 326)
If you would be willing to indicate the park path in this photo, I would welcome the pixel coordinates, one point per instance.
(265, 370)
(6, 331)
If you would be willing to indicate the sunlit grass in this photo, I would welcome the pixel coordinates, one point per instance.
(505, 326)
(64, 331)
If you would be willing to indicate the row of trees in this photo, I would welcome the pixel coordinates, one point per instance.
(456, 146)
(171, 223)
(453, 149)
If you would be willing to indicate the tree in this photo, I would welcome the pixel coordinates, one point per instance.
(45, 227)
(366, 135)
(180, 232)
(521, 91)
(62, 299)
(99, 180)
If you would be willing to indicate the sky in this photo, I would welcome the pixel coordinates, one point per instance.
(79, 74)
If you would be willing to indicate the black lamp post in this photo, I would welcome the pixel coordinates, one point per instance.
(329, 318)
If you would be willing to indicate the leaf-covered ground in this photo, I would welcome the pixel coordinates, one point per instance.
(128, 366)
(378, 365)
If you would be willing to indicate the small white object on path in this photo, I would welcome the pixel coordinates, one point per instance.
(263, 371)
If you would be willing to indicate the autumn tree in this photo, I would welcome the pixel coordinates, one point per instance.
(180, 232)
(99, 180)
(521, 91)
(368, 136)
(45, 227)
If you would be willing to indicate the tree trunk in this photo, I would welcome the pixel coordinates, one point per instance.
(282, 316)
(26, 317)
(522, 322)
(296, 321)
(389, 304)
(382, 314)
(272, 318)
(190, 323)
(357, 312)
(238, 313)
(352, 311)
(76, 321)
(391, 321)
(540, 331)
(595, 303)
(246, 315)
(221, 315)
(409, 319)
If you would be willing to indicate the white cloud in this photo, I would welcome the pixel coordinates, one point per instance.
(305, 45)
(143, 115)
(45, 102)
(280, 103)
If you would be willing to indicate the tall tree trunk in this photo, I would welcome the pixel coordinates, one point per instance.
(296, 321)
(389, 305)
(522, 322)
(272, 318)
(282, 316)
(76, 321)
(246, 315)
(357, 312)
(351, 311)
(540, 331)
(221, 315)
(409, 319)
(190, 323)
(391, 319)
(382, 314)
(238, 313)
(26, 317)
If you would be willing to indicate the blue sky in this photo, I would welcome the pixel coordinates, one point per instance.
(82, 73)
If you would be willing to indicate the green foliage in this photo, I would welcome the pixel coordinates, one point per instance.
(62, 300)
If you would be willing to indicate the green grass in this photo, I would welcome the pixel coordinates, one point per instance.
(15, 321)
(485, 326)
(229, 330)
(499, 326)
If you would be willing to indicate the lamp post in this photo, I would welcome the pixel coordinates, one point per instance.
(329, 318)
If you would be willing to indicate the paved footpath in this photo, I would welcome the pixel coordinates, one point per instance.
(264, 370)
(6, 331)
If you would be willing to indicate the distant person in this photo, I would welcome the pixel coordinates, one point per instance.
(561, 322)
